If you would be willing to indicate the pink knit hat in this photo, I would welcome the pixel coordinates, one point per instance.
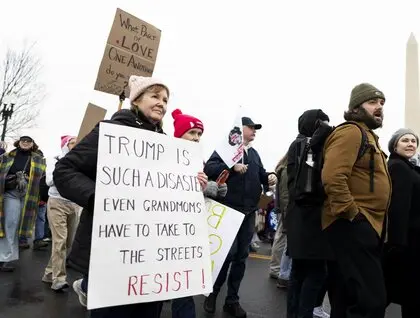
(139, 84)
(65, 140)
(183, 123)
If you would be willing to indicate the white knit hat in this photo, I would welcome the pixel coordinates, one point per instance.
(138, 85)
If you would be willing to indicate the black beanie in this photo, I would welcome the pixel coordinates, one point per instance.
(362, 93)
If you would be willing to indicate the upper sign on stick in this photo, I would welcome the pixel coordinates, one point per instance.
(131, 49)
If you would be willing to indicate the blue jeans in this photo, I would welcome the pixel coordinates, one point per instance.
(13, 202)
(183, 307)
(40, 222)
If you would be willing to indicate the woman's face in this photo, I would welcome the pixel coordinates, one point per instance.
(26, 143)
(153, 104)
(406, 146)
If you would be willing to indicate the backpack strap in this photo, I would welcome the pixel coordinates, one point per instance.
(372, 167)
(364, 146)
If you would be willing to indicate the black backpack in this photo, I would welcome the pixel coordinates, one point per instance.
(308, 184)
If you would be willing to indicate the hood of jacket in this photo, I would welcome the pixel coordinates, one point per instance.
(308, 121)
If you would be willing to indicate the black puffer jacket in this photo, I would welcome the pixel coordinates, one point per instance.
(75, 177)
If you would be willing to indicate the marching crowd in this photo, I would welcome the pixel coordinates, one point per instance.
(348, 216)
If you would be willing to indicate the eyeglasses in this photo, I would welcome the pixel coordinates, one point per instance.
(27, 140)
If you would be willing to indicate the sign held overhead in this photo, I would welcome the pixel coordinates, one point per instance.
(131, 49)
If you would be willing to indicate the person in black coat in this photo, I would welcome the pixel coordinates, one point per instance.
(244, 191)
(306, 243)
(402, 247)
(75, 177)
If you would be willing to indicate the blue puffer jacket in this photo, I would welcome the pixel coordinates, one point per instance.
(244, 190)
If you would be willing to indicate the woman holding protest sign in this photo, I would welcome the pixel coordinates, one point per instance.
(190, 128)
(75, 178)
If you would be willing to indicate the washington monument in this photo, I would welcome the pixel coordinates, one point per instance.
(412, 86)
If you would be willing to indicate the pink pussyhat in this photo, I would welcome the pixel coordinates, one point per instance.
(65, 140)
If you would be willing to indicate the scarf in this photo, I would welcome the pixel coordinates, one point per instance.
(31, 200)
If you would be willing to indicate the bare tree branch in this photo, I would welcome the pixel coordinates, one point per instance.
(21, 70)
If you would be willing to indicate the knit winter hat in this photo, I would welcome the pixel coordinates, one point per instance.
(139, 84)
(362, 93)
(65, 140)
(183, 123)
(397, 136)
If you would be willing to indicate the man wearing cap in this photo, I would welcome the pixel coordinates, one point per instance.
(245, 185)
(358, 195)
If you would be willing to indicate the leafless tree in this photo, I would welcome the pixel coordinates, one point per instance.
(20, 74)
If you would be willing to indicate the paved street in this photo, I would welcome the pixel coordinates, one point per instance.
(23, 295)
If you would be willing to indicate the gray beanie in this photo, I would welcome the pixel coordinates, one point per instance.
(397, 136)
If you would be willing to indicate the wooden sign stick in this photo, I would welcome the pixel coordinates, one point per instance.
(122, 98)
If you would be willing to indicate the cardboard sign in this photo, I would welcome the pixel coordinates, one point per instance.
(131, 49)
(93, 115)
(149, 236)
(223, 225)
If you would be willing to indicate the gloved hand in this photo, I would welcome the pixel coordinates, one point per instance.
(222, 190)
(211, 190)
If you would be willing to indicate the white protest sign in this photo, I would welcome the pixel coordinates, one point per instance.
(149, 236)
(231, 149)
(223, 225)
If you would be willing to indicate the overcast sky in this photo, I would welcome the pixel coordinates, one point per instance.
(276, 58)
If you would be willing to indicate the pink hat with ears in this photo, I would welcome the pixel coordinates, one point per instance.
(66, 139)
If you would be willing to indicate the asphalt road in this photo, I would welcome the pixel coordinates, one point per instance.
(24, 295)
